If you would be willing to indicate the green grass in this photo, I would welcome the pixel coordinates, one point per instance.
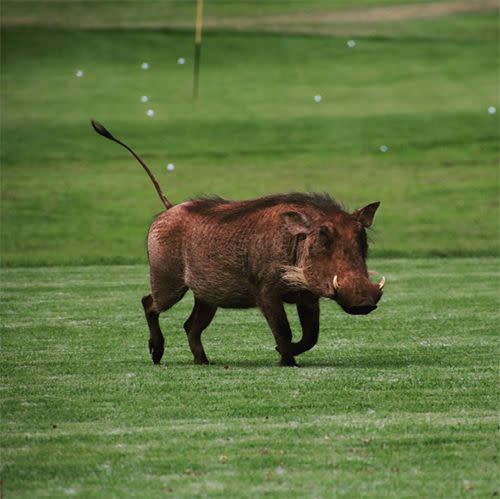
(396, 404)
(401, 403)
(69, 197)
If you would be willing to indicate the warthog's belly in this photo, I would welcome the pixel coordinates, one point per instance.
(220, 288)
(222, 298)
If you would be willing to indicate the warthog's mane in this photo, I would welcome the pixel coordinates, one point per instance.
(230, 210)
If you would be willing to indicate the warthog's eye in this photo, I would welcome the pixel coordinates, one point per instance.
(363, 242)
(325, 236)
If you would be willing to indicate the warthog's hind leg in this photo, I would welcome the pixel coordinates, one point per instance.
(200, 318)
(156, 340)
(152, 311)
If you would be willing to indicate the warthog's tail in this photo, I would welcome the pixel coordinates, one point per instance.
(102, 131)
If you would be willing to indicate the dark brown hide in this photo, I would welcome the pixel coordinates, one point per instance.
(263, 252)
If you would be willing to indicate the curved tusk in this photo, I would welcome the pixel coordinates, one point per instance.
(336, 284)
(381, 284)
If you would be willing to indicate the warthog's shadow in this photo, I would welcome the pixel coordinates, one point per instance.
(389, 360)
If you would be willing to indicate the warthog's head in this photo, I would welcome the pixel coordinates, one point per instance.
(332, 258)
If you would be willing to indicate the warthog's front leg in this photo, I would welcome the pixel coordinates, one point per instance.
(309, 320)
(275, 315)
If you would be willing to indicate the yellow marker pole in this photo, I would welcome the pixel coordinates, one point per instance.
(197, 46)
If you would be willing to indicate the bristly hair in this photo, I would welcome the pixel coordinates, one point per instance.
(294, 277)
(207, 205)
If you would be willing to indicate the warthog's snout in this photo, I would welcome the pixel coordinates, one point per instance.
(360, 310)
(358, 296)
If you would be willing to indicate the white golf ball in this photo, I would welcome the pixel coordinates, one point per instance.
(181, 60)
(150, 113)
(317, 98)
(492, 110)
(351, 44)
(144, 98)
(79, 73)
(170, 167)
(145, 65)
(383, 148)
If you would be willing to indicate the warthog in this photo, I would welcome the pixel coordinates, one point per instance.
(284, 248)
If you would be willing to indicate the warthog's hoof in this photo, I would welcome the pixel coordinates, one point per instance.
(288, 361)
(156, 351)
(201, 362)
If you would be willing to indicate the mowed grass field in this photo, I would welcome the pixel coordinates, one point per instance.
(400, 403)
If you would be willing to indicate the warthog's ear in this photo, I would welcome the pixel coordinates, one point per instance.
(296, 223)
(365, 215)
